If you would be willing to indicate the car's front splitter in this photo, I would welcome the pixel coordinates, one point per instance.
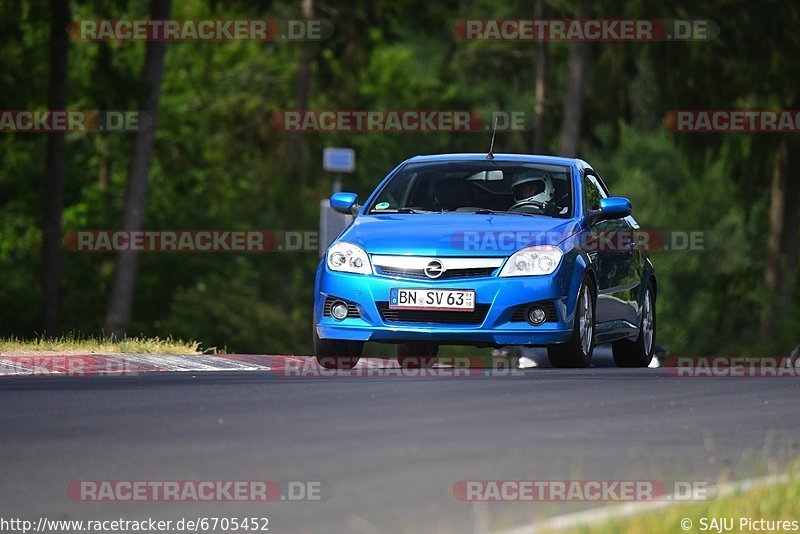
(442, 334)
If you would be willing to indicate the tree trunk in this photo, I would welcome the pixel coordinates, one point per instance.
(54, 171)
(781, 258)
(302, 90)
(573, 99)
(123, 284)
(540, 88)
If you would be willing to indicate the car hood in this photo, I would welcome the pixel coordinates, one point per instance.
(455, 234)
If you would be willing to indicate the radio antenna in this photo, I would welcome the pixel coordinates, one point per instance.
(491, 146)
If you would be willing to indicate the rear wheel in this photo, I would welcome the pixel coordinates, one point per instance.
(639, 353)
(577, 352)
(336, 353)
(415, 355)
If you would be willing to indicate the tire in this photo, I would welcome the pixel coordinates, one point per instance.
(577, 352)
(416, 355)
(639, 353)
(336, 353)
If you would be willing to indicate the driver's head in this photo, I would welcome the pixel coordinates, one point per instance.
(533, 185)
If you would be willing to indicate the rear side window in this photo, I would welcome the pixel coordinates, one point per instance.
(593, 190)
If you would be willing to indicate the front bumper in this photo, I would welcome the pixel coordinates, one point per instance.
(502, 295)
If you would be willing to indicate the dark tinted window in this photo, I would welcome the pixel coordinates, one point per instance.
(594, 192)
(468, 186)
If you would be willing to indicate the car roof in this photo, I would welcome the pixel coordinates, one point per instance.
(521, 158)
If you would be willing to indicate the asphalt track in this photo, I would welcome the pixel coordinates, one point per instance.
(387, 450)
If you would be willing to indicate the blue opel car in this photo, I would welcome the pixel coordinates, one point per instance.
(486, 250)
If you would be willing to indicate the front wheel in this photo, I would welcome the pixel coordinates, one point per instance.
(577, 352)
(336, 353)
(639, 353)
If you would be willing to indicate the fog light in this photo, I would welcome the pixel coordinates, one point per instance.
(536, 315)
(339, 310)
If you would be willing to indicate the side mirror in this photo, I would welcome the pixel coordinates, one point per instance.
(615, 207)
(346, 203)
(610, 208)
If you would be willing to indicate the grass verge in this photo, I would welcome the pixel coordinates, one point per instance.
(774, 503)
(71, 344)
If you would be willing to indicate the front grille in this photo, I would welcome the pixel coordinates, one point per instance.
(352, 309)
(519, 314)
(396, 315)
(448, 274)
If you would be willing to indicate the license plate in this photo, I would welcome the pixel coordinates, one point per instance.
(432, 299)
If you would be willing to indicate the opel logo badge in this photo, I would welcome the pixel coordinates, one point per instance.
(434, 269)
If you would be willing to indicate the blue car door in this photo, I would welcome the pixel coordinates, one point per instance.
(616, 265)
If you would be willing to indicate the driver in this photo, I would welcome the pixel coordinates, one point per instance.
(536, 186)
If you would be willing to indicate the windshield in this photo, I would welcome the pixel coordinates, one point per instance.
(478, 186)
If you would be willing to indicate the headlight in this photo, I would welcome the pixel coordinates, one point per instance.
(533, 261)
(349, 258)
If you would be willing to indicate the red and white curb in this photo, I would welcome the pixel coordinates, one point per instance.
(75, 365)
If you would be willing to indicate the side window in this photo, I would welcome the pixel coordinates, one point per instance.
(593, 190)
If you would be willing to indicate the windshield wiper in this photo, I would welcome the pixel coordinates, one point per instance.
(398, 210)
(484, 211)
